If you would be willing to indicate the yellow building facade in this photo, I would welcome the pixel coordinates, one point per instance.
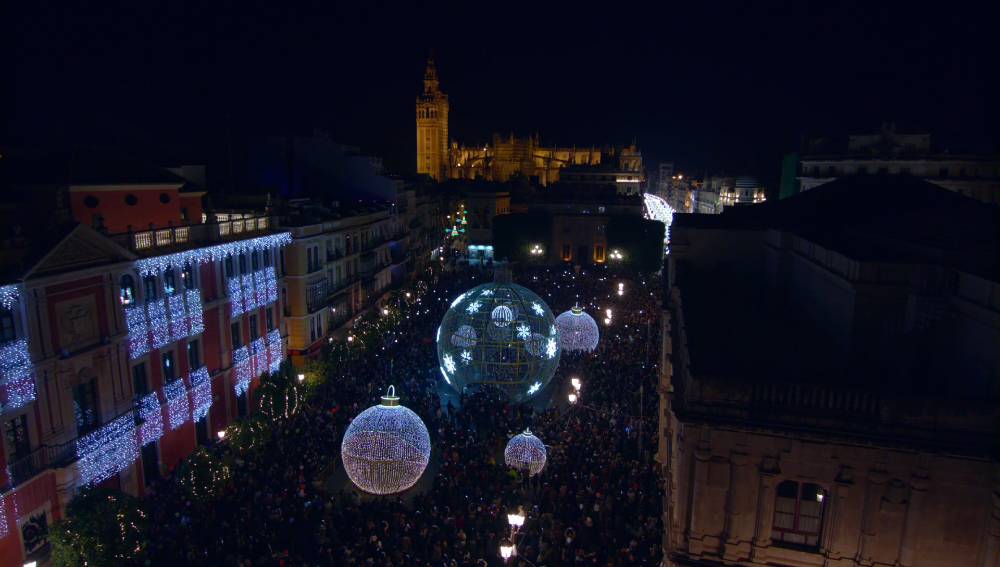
(503, 157)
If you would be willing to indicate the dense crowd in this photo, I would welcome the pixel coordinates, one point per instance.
(598, 501)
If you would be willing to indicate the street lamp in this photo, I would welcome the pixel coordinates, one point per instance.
(385, 310)
(516, 519)
(222, 434)
(301, 377)
(576, 383)
(572, 398)
(506, 549)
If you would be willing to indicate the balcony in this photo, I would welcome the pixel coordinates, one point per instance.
(160, 240)
(42, 458)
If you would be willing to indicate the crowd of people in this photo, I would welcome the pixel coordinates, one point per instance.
(597, 502)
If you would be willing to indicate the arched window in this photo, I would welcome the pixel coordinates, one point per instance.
(149, 288)
(798, 514)
(169, 281)
(127, 292)
(187, 275)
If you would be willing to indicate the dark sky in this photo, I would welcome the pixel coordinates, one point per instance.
(706, 84)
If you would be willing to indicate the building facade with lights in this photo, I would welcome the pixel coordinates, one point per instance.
(828, 385)
(136, 323)
(442, 158)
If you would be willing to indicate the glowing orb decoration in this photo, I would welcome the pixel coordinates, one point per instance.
(499, 334)
(525, 452)
(386, 448)
(578, 331)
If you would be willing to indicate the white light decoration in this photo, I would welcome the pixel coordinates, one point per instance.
(201, 393)
(523, 332)
(107, 451)
(235, 296)
(502, 316)
(157, 317)
(157, 264)
(3, 513)
(443, 373)
(578, 331)
(503, 334)
(152, 419)
(386, 448)
(179, 326)
(241, 370)
(249, 298)
(260, 287)
(525, 452)
(195, 313)
(271, 283)
(457, 300)
(138, 331)
(464, 337)
(259, 350)
(274, 350)
(17, 374)
(178, 404)
(533, 389)
(9, 295)
(659, 210)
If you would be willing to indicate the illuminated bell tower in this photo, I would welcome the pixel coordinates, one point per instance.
(432, 127)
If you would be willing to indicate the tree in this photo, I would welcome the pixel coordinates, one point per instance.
(102, 527)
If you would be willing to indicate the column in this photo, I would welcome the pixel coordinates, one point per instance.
(914, 511)
(739, 527)
(869, 519)
(765, 515)
(702, 454)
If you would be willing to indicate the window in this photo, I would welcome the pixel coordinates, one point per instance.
(194, 355)
(229, 266)
(312, 330)
(139, 383)
(266, 257)
(798, 514)
(85, 406)
(169, 281)
(187, 276)
(254, 261)
(567, 253)
(169, 370)
(598, 253)
(149, 288)
(7, 332)
(243, 263)
(127, 292)
(234, 332)
(269, 316)
(254, 332)
(16, 434)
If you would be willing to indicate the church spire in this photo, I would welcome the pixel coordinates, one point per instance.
(431, 84)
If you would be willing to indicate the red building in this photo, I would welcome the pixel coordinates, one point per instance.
(135, 325)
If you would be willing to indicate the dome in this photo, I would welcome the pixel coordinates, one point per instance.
(499, 334)
(525, 452)
(386, 448)
(578, 330)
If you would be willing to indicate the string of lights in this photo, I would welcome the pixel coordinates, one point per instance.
(578, 331)
(138, 331)
(107, 451)
(17, 374)
(235, 296)
(252, 291)
(241, 370)
(157, 314)
(201, 393)
(158, 264)
(275, 350)
(525, 452)
(9, 295)
(259, 349)
(152, 419)
(248, 294)
(178, 404)
(179, 327)
(196, 316)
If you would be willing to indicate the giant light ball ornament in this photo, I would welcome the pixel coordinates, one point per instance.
(525, 452)
(578, 330)
(499, 334)
(386, 448)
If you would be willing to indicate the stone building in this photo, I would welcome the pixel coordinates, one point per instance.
(829, 387)
(442, 158)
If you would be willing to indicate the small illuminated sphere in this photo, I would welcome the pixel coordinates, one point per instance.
(525, 452)
(578, 330)
(386, 448)
(499, 335)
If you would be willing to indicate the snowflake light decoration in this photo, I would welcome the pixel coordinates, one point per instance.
(578, 330)
(533, 389)
(386, 448)
(500, 335)
(525, 452)
(551, 347)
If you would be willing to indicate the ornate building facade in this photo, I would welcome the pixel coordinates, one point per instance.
(503, 157)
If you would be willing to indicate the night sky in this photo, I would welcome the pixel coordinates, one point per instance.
(706, 84)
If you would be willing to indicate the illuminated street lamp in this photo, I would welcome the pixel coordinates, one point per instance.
(301, 377)
(506, 549)
(222, 434)
(616, 254)
(385, 311)
(516, 518)
(576, 383)
(572, 398)
(536, 250)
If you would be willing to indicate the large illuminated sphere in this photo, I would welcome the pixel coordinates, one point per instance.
(386, 448)
(525, 452)
(578, 330)
(499, 334)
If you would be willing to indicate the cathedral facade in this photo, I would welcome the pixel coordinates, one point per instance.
(504, 157)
